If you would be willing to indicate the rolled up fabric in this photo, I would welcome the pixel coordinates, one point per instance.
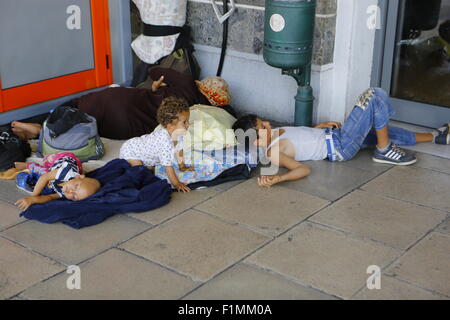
(159, 13)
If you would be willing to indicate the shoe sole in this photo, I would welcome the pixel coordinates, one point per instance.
(24, 190)
(395, 163)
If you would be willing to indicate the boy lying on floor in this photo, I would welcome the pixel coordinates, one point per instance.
(62, 174)
(366, 125)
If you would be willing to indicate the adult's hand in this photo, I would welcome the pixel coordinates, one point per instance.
(157, 84)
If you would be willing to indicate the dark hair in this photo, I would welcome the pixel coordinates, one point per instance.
(170, 109)
(444, 31)
(246, 122)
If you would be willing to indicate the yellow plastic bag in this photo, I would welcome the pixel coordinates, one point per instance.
(210, 129)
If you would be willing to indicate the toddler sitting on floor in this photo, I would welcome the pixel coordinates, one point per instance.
(62, 174)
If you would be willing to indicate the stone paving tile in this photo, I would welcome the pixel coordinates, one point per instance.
(243, 282)
(331, 261)
(179, 202)
(393, 289)
(20, 268)
(428, 161)
(9, 191)
(115, 274)
(201, 246)
(427, 264)
(444, 227)
(330, 180)
(228, 185)
(417, 185)
(363, 160)
(9, 215)
(72, 246)
(393, 222)
(196, 244)
(272, 211)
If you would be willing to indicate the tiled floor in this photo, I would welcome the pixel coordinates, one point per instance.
(310, 239)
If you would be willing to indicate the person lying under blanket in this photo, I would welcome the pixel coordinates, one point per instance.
(124, 113)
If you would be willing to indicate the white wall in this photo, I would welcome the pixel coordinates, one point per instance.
(257, 87)
(261, 89)
(353, 55)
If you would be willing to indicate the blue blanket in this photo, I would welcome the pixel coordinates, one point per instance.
(124, 189)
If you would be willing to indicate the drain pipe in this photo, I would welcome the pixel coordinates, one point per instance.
(304, 99)
(224, 41)
(223, 19)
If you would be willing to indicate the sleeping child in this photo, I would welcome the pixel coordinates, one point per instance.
(62, 174)
(367, 125)
(158, 147)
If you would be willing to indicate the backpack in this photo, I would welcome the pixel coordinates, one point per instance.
(180, 60)
(12, 149)
(78, 137)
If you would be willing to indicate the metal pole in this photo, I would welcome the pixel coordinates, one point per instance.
(304, 99)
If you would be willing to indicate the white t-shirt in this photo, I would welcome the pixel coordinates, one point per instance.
(152, 149)
(309, 143)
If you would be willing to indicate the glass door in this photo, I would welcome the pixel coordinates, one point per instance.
(416, 64)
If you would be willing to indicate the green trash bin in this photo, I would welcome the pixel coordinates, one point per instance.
(288, 45)
(289, 33)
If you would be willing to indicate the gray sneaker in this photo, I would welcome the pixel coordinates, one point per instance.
(394, 155)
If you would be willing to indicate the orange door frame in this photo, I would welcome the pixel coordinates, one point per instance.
(46, 90)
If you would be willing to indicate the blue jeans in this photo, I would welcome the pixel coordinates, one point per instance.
(372, 112)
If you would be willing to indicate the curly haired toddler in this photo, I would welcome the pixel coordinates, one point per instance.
(158, 147)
